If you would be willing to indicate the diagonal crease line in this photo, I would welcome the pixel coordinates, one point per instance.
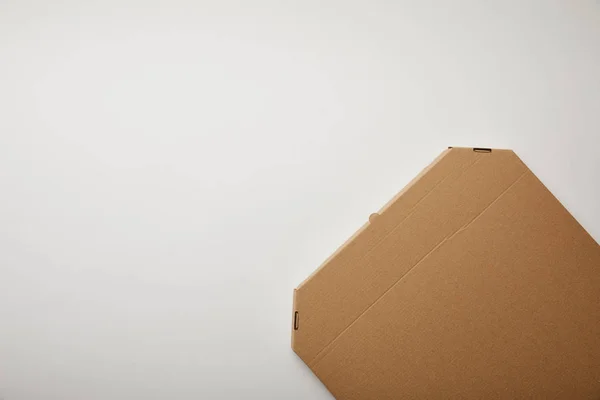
(416, 179)
(396, 198)
(412, 211)
(399, 224)
(414, 208)
(489, 205)
(315, 361)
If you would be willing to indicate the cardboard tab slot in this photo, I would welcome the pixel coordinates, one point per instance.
(296, 320)
(482, 150)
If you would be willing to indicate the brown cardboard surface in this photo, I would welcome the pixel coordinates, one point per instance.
(473, 282)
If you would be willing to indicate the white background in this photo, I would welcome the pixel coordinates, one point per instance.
(170, 171)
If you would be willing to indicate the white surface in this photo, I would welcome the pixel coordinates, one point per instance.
(170, 171)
